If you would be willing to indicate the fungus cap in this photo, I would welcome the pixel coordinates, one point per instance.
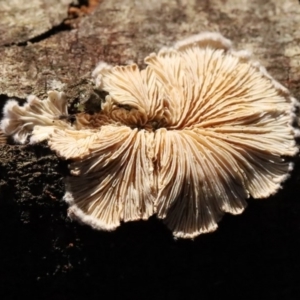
(3, 138)
(36, 118)
(188, 138)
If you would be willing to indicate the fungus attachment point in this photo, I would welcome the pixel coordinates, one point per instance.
(189, 138)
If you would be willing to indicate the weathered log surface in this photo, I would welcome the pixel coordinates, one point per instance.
(42, 251)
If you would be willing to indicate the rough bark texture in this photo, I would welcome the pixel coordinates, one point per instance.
(252, 255)
(22, 21)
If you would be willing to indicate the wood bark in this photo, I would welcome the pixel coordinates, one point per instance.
(55, 45)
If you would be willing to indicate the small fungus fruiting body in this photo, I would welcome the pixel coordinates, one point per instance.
(188, 138)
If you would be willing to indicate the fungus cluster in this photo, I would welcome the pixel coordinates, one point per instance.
(189, 138)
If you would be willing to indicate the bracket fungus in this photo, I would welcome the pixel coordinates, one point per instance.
(189, 138)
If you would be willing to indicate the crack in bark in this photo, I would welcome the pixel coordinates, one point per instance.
(75, 12)
(53, 31)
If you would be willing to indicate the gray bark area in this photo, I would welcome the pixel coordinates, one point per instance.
(118, 32)
(21, 21)
(123, 31)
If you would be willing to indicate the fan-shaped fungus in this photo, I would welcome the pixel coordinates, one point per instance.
(190, 137)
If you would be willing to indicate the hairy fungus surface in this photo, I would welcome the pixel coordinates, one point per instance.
(188, 138)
